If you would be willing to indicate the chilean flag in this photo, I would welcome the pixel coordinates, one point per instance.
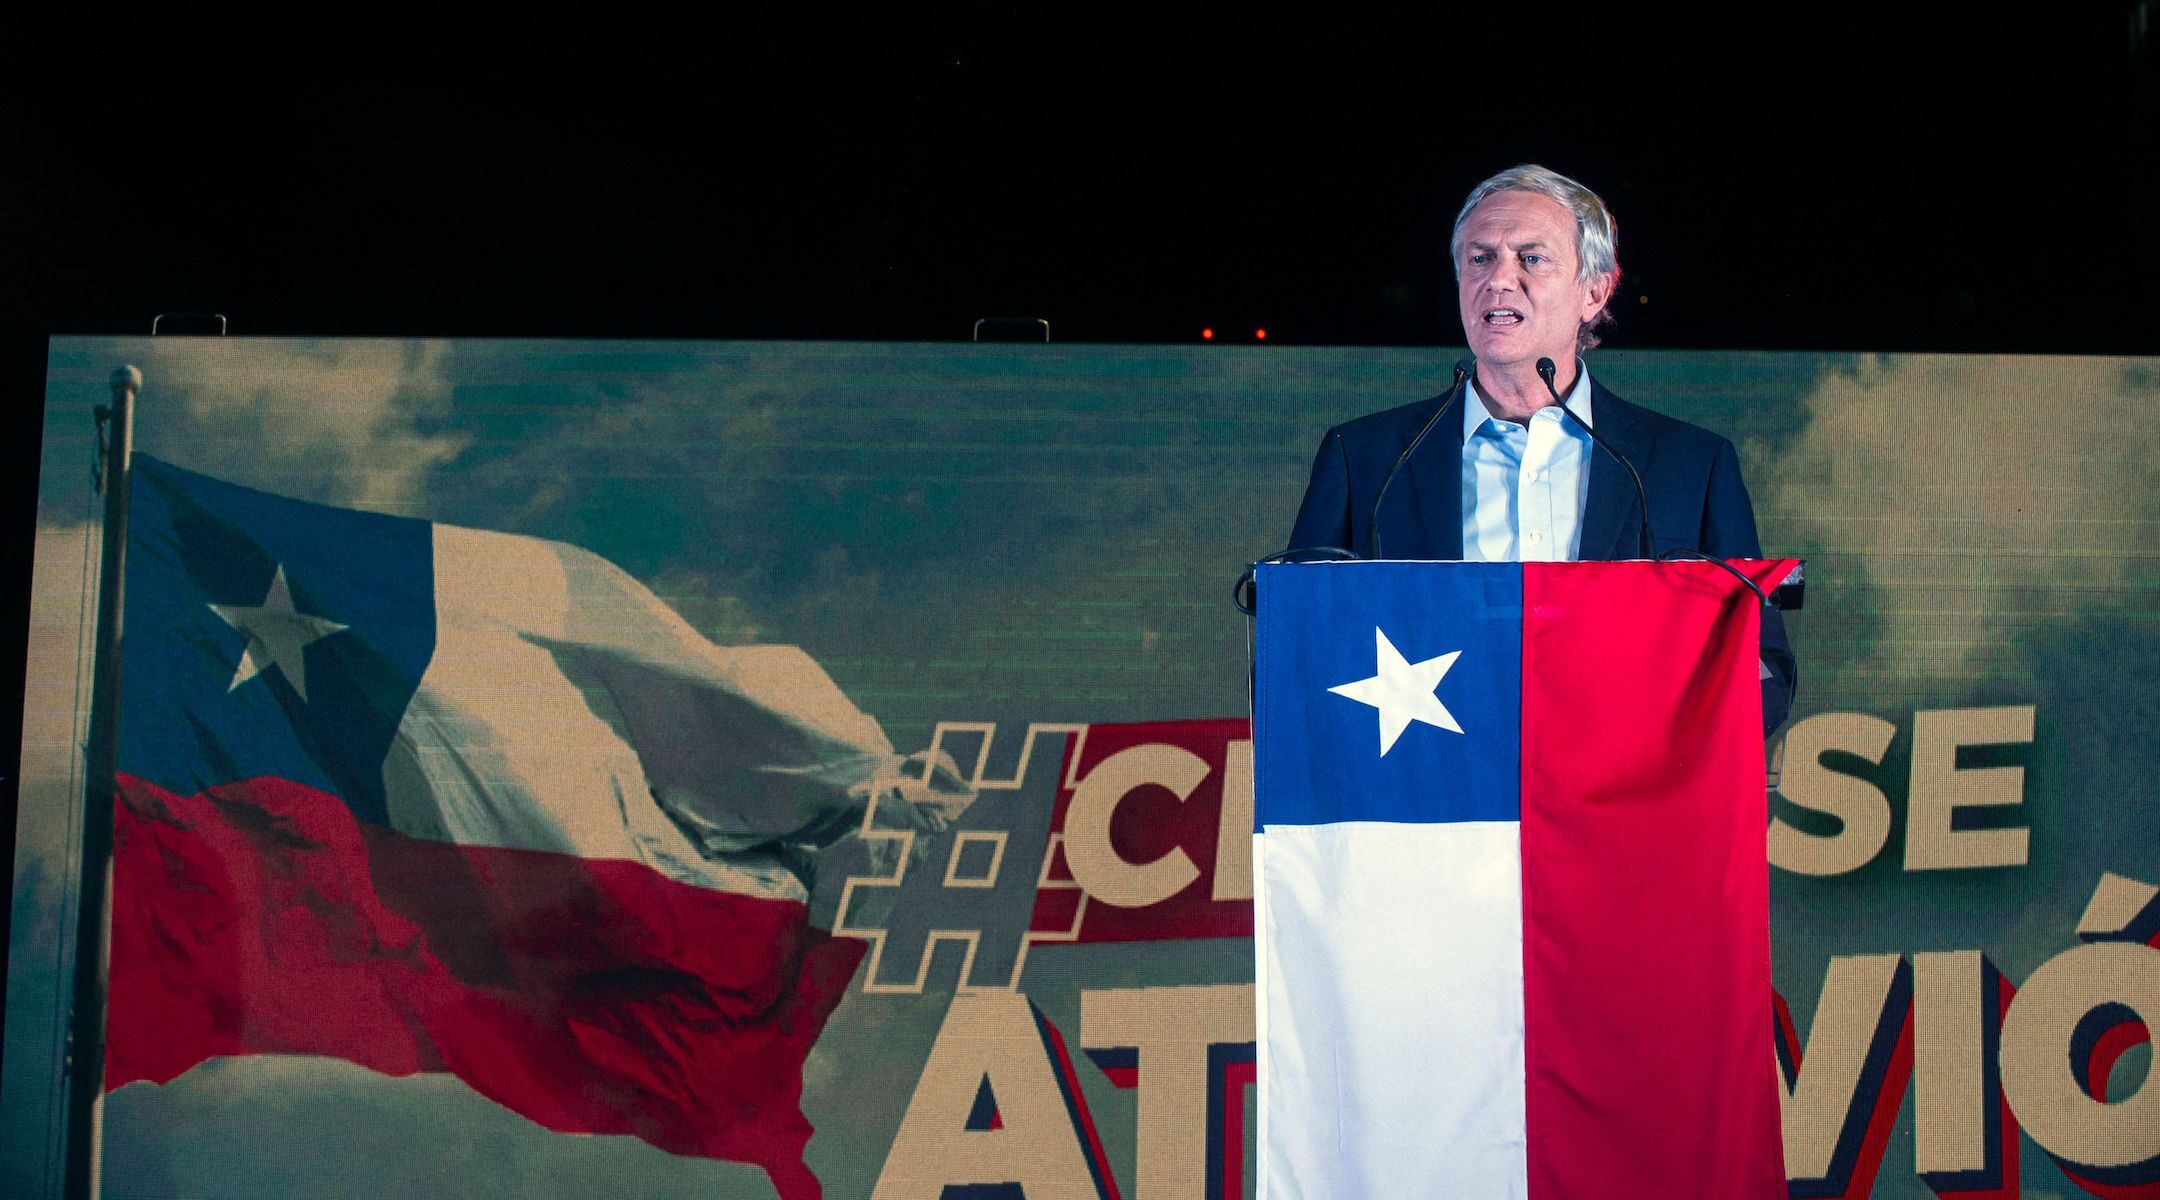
(433, 799)
(1511, 882)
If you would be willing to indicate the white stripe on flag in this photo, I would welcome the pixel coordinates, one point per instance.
(1391, 1061)
(568, 709)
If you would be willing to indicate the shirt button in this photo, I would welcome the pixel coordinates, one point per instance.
(1535, 538)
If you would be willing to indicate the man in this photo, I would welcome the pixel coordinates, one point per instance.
(1512, 479)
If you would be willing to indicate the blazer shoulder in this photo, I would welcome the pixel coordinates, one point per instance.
(1650, 426)
(1389, 429)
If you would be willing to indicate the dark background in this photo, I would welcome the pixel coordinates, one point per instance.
(1901, 178)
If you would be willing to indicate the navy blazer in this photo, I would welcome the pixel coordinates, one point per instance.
(1692, 478)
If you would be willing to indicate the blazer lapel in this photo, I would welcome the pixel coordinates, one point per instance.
(1611, 517)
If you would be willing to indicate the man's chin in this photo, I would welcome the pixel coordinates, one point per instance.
(1499, 352)
(1506, 351)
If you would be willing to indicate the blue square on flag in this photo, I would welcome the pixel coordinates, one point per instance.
(268, 636)
(1388, 692)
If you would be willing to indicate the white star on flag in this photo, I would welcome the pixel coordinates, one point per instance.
(276, 635)
(1403, 691)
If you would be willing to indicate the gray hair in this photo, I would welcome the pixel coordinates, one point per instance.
(1597, 236)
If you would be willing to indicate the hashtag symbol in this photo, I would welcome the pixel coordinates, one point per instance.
(975, 891)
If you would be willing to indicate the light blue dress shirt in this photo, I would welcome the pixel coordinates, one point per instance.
(1524, 487)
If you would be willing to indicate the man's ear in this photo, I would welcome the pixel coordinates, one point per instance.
(1601, 293)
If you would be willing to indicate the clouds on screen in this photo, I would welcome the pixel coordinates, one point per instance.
(1980, 500)
(1030, 531)
(347, 422)
(344, 1131)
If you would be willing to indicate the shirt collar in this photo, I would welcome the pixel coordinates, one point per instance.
(1475, 414)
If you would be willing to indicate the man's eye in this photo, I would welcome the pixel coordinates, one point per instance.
(1532, 259)
(1479, 260)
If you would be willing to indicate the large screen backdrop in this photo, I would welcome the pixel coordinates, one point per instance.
(1019, 701)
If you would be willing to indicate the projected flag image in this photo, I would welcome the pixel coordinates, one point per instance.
(519, 823)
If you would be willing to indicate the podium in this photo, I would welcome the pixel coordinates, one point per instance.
(1511, 885)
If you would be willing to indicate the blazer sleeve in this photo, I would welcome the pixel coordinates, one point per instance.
(1728, 531)
(1323, 516)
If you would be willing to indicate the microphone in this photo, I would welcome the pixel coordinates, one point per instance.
(1644, 544)
(1454, 393)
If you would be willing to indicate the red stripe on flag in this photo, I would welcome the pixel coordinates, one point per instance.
(1646, 920)
(590, 996)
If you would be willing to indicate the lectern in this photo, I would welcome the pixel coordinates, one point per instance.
(1512, 892)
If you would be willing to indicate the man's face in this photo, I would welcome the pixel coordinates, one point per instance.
(1516, 281)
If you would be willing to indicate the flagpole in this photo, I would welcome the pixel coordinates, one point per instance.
(86, 1019)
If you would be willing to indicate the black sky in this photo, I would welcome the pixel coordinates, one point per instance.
(1784, 179)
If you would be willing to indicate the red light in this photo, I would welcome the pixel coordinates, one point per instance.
(1259, 335)
(1207, 335)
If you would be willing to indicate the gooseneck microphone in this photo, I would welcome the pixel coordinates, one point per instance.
(1644, 543)
(1454, 393)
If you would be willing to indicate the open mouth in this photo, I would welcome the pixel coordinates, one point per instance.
(1502, 316)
